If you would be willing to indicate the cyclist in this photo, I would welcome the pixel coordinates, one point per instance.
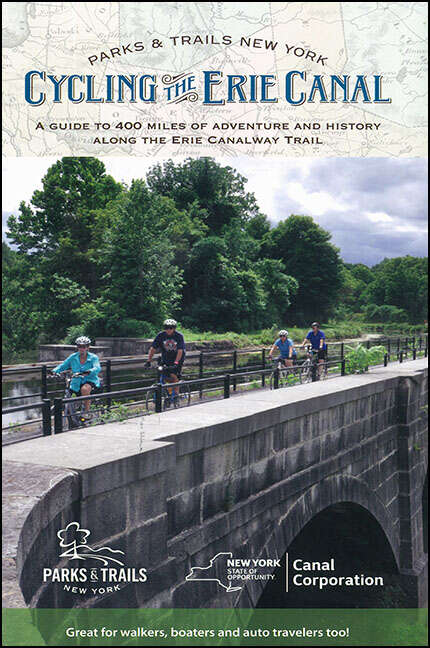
(171, 344)
(80, 362)
(316, 338)
(286, 348)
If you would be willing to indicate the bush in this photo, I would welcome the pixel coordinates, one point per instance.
(74, 332)
(359, 358)
(123, 328)
(135, 328)
(385, 313)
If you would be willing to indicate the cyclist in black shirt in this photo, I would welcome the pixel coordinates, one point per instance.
(171, 344)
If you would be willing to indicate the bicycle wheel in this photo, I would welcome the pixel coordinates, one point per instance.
(324, 371)
(166, 398)
(283, 378)
(306, 371)
(151, 398)
(272, 380)
(72, 415)
(99, 410)
(184, 398)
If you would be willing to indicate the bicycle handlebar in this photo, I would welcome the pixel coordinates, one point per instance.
(67, 372)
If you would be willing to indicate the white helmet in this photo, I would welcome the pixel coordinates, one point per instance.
(283, 332)
(83, 339)
(170, 322)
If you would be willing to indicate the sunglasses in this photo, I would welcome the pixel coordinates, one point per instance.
(83, 346)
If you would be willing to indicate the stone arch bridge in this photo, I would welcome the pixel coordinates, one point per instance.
(240, 477)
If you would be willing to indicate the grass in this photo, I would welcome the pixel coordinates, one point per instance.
(334, 330)
(266, 337)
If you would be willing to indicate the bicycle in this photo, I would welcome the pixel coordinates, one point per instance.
(75, 415)
(175, 394)
(311, 365)
(286, 375)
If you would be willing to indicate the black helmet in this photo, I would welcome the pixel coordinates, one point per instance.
(315, 324)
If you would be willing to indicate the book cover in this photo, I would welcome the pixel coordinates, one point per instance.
(214, 323)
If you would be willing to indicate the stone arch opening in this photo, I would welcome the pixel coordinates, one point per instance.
(348, 534)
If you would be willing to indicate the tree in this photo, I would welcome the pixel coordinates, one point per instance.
(140, 278)
(307, 255)
(385, 313)
(219, 190)
(23, 290)
(222, 296)
(61, 227)
(401, 282)
(279, 289)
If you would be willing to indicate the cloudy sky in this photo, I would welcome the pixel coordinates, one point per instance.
(373, 207)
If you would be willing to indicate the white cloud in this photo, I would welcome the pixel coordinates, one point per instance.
(314, 203)
(381, 200)
(378, 217)
(411, 228)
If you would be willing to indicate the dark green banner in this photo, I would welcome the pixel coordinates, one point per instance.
(166, 627)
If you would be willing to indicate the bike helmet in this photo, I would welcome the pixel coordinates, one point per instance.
(83, 339)
(170, 322)
(283, 332)
(315, 324)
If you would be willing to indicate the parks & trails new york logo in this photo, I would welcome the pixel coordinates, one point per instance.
(90, 571)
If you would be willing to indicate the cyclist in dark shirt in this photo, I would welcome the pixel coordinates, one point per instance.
(316, 338)
(171, 344)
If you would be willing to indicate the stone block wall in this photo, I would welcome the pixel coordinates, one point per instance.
(59, 352)
(243, 475)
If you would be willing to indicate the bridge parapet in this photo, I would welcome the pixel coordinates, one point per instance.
(242, 476)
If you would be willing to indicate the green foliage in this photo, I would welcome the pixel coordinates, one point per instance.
(219, 191)
(403, 282)
(140, 278)
(279, 288)
(386, 313)
(359, 358)
(61, 226)
(307, 254)
(223, 294)
(226, 286)
(135, 328)
(74, 332)
(119, 411)
(97, 257)
(23, 292)
(292, 379)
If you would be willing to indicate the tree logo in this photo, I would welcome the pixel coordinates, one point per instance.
(74, 540)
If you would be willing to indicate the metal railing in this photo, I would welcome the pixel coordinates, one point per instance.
(215, 361)
(236, 379)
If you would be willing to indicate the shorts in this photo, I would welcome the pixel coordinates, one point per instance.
(285, 359)
(322, 354)
(94, 389)
(177, 369)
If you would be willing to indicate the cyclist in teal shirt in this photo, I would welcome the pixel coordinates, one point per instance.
(79, 362)
(286, 348)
